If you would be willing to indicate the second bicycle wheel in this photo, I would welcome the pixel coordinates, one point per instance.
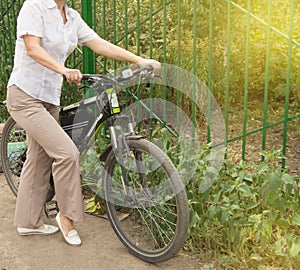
(13, 155)
(13, 152)
(149, 215)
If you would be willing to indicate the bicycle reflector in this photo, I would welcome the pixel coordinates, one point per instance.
(113, 100)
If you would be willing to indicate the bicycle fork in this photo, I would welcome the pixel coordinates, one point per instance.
(121, 150)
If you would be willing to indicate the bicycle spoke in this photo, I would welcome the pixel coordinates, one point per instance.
(160, 229)
(154, 227)
(150, 209)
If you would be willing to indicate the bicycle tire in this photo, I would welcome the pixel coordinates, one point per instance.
(13, 155)
(13, 136)
(153, 215)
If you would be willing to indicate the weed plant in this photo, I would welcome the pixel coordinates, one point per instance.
(249, 217)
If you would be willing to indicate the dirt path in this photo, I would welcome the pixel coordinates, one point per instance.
(100, 249)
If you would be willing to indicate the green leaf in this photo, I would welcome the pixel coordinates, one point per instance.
(195, 220)
(271, 185)
(280, 204)
(91, 205)
(245, 190)
(288, 179)
(224, 218)
(282, 222)
(267, 227)
(206, 184)
(280, 246)
(252, 205)
(296, 220)
(233, 233)
(211, 211)
(295, 248)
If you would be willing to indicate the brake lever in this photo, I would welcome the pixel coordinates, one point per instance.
(84, 86)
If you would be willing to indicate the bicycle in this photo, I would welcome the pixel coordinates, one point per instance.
(142, 191)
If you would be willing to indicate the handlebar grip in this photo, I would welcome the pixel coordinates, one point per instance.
(86, 77)
(148, 68)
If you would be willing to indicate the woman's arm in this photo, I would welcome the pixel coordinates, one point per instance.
(41, 56)
(98, 45)
(105, 48)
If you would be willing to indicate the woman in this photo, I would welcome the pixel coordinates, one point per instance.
(47, 32)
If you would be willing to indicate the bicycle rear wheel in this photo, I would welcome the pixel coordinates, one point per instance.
(13, 152)
(13, 155)
(150, 216)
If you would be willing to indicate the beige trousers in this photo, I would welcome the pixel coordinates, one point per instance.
(50, 149)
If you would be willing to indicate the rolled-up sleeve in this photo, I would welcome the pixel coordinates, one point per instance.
(30, 21)
(85, 33)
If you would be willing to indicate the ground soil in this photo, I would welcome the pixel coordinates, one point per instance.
(100, 249)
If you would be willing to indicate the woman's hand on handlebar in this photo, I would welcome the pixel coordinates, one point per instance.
(149, 62)
(72, 75)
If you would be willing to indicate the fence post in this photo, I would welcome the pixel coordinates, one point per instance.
(89, 65)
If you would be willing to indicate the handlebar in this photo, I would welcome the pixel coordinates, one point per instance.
(101, 82)
(127, 75)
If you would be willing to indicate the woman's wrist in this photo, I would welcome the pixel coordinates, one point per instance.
(139, 60)
(149, 62)
(62, 70)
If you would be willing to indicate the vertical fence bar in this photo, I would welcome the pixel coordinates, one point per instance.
(151, 28)
(15, 14)
(89, 60)
(9, 23)
(115, 28)
(288, 78)
(5, 58)
(88, 55)
(246, 85)
(151, 55)
(266, 89)
(194, 66)
(210, 67)
(165, 56)
(228, 68)
(95, 16)
(126, 24)
(104, 33)
(178, 62)
(138, 34)
(2, 44)
(138, 27)
(126, 44)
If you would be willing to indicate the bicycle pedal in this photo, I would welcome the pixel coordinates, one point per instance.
(51, 209)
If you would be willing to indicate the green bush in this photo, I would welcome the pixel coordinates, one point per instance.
(249, 218)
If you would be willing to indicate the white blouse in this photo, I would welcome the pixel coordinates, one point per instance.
(42, 18)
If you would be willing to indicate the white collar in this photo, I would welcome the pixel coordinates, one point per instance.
(52, 4)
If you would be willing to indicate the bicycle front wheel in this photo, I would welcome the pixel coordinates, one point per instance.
(149, 215)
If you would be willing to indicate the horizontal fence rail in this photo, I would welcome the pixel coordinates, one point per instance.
(245, 52)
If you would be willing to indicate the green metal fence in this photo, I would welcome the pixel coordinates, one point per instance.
(246, 52)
